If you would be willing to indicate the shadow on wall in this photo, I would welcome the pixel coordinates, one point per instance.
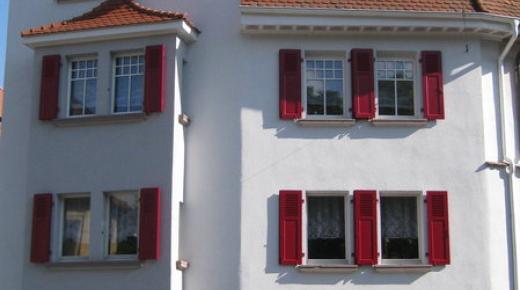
(290, 275)
(361, 130)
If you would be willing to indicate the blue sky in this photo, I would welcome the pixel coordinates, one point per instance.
(3, 38)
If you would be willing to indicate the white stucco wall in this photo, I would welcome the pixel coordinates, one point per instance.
(239, 155)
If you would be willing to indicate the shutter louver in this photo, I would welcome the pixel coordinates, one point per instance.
(155, 79)
(363, 96)
(438, 229)
(433, 95)
(149, 224)
(290, 227)
(365, 216)
(50, 87)
(290, 84)
(41, 228)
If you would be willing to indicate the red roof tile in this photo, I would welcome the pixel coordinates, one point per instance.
(110, 13)
(500, 7)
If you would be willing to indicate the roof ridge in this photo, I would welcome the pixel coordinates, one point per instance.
(106, 10)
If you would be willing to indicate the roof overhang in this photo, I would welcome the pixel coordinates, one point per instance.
(177, 27)
(257, 20)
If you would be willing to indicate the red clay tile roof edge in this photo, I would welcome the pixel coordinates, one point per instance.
(109, 14)
(504, 8)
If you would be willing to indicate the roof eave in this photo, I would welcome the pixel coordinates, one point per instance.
(179, 27)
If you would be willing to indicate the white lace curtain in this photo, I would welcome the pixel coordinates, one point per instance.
(399, 217)
(326, 217)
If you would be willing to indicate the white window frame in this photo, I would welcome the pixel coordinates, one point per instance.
(113, 92)
(348, 229)
(334, 56)
(61, 223)
(70, 60)
(421, 228)
(417, 87)
(106, 226)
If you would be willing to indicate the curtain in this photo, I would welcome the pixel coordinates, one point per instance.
(326, 217)
(399, 217)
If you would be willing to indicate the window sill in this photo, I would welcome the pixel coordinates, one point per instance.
(99, 120)
(99, 264)
(402, 268)
(326, 122)
(328, 268)
(402, 122)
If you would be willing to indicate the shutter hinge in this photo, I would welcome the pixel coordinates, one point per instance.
(301, 60)
(303, 201)
(378, 254)
(427, 254)
(422, 110)
(349, 60)
(350, 109)
(303, 255)
(420, 60)
(353, 255)
(425, 200)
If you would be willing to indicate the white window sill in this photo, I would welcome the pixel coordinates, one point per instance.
(99, 120)
(399, 122)
(328, 268)
(95, 265)
(402, 268)
(326, 122)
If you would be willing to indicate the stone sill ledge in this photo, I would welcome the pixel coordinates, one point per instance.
(402, 268)
(328, 268)
(95, 265)
(99, 120)
(402, 122)
(326, 122)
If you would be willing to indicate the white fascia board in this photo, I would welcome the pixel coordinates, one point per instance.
(179, 27)
(372, 18)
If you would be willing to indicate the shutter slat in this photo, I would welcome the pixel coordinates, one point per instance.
(155, 79)
(363, 96)
(149, 224)
(433, 94)
(365, 216)
(438, 229)
(50, 87)
(290, 227)
(41, 228)
(290, 84)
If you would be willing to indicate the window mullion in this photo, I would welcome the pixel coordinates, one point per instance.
(84, 95)
(129, 90)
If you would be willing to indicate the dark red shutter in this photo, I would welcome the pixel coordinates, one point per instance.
(363, 96)
(365, 219)
(432, 85)
(50, 87)
(41, 228)
(290, 84)
(155, 79)
(290, 226)
(438, 230)
(149, 224)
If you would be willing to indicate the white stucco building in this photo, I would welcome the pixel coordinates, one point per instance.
(266, 144)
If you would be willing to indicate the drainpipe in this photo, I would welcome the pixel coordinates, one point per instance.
(508, 161)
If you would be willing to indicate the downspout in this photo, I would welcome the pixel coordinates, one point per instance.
(511, 168)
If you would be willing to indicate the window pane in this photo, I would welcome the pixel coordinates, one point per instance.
(90, 97)
(76, 98)
(386, 97)
(334, 97)
(405, 106)
(399, 238)
(121, 94)
(326, 227)
(315, 98)
(123, 223)
(76, 226)
(136, 96)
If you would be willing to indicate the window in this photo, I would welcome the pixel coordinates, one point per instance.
(123, 212)
(128, 83)
(395, 87)
(75, 230)
(324, 83)
(83, 86)
(326, 228)
(400, 238)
